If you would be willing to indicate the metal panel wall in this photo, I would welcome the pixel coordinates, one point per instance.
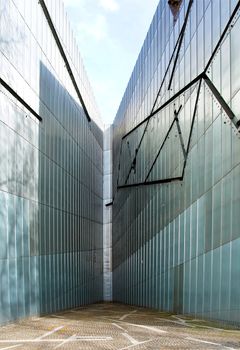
(176, 244)
(107, 214)
(51, 172)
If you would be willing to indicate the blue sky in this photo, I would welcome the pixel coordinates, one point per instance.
(110, 34)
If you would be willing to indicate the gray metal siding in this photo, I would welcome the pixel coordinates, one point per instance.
(51, 174)
(176, 245)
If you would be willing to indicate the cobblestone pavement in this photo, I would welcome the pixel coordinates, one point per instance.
(118, 327)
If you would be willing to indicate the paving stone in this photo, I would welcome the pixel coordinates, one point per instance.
(117, 327)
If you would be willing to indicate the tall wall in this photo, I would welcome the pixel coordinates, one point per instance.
(107, 214)
(51, 171)
(176, 245)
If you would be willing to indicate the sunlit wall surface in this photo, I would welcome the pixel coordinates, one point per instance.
(176, 244)
(50, 171)
(107, 214)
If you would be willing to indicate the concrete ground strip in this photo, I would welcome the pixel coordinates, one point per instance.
(116, 327)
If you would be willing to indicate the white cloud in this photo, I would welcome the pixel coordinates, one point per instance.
(96, 29)
(72, 2)
(109, 5)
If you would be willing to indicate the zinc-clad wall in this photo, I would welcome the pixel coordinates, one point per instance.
(107, 214)
(51, 176)
(176, 246)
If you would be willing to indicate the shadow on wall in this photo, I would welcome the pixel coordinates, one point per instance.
(70, 239)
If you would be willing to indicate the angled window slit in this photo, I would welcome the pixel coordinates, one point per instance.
(192, 125)
(62, 52)
(155, 182)
(175, 6)
(180, 135)
(237, 7)
(222, 102)
(176, 113)
(180, 92)
(180, 41)
(109, 204)
(20, 99)
(119, 163)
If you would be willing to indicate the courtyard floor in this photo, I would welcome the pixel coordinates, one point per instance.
(118, 327)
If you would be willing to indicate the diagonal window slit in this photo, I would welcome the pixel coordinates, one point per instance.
(146, 123)
(175, 7)
(165, 160)
(181, 37)
(222, 102)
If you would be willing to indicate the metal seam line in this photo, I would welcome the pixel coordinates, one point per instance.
(24, 103)
(60, 47)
